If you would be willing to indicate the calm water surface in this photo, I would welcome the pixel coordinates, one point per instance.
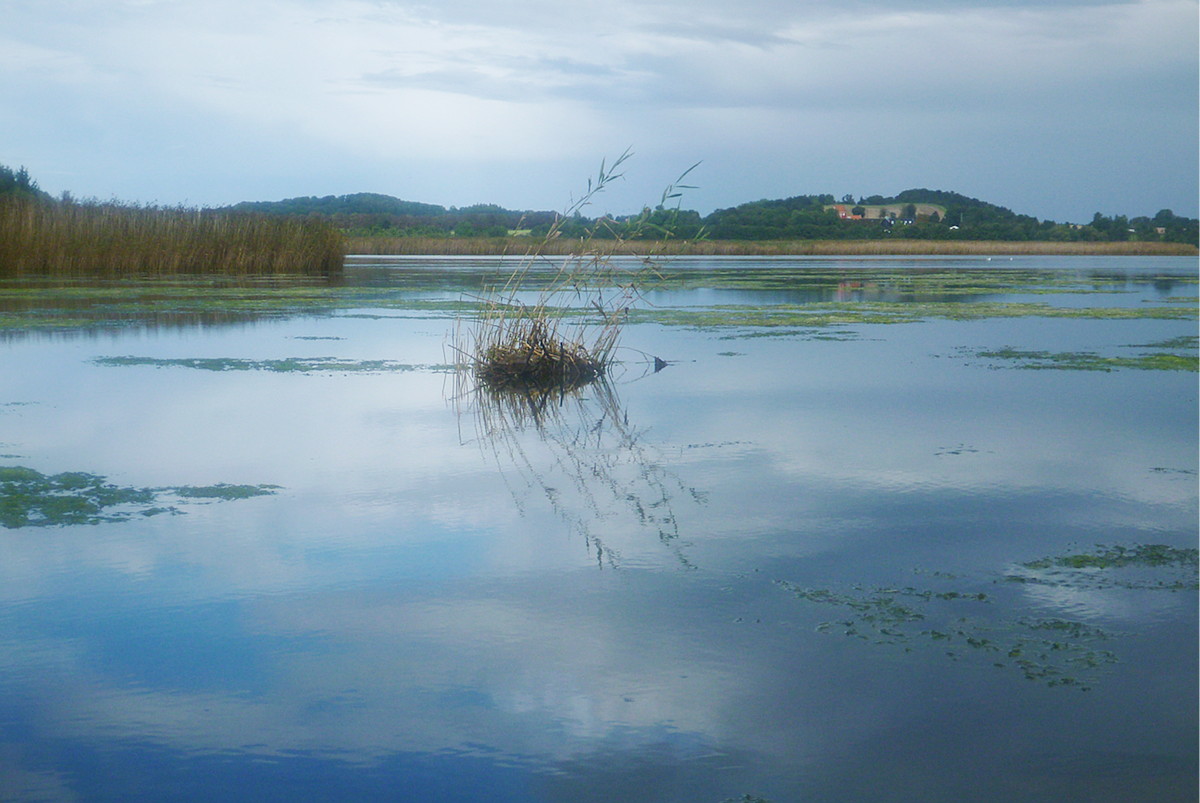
(850, 560)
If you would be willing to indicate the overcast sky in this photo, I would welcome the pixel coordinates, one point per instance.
(1055, 108)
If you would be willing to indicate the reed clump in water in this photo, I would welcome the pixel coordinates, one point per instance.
(564, 337)
(92, 239)
(536, 357)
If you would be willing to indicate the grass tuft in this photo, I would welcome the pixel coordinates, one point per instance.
(563, 336)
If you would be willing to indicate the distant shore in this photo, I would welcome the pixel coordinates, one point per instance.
(487, 246)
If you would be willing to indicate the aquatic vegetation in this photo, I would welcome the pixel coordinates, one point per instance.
(1182, 342)
(566, 337)
(802, 316)
(29, 498)
(537, 345)
(298, 365)
(225, 491)
(1090, 361)
(1150, 567)
(1056, 652)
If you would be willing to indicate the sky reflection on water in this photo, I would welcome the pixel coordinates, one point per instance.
(451, 600)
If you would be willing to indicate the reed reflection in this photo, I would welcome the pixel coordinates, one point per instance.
(574, 445)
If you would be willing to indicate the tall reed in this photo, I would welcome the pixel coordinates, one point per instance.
(68, 239)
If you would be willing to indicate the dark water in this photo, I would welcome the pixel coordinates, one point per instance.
(847, 561)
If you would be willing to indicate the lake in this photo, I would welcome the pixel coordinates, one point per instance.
(883, 529)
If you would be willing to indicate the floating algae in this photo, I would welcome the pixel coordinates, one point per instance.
(224, 491)
(1090, 361)
(1055, 651)
(29, 498)
(800, 316)
(1149, 567)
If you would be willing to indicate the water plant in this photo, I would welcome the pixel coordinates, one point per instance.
(29, 498)
(1090, 361)
(956, 621)
(1057, 652)
(1147, 567)
(564, 336)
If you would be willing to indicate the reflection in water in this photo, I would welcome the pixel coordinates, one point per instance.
(597, 470)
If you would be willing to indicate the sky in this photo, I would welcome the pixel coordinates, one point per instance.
(1057, 109)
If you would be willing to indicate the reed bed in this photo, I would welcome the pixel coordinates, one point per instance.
(38, 238)
(490, 246)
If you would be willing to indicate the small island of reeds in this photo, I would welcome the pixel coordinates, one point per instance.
(565, 337)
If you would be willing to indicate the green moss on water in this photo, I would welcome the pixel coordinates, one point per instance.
(808, 316)
(224, 491)
(1056, 652)
(1182, 343)
(1149, 567)
(908, 282)
(1090, 361)
(29, 498)
(950, 621)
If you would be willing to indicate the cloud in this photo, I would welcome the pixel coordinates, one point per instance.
(297, 94)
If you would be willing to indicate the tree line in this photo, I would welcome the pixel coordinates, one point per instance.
(802, 217)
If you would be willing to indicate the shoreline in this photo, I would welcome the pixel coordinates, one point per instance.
(500, 246)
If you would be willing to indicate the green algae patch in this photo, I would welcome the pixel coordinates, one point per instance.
(909, 283)
(224, 491)
(957, 625)
(962, 624)
(1148, 567)
(297, 365)
(807, 316)
(29, 498)
(1090, 361)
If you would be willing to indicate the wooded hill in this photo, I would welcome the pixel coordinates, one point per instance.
(802, 217)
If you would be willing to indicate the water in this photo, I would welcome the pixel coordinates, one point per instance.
(803, 562)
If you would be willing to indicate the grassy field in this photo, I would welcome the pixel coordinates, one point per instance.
(110, 240)
(482, 246)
